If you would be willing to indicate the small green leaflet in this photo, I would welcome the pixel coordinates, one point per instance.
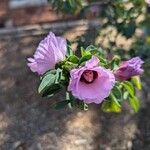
(61, 104)
(50, 83)
(115, 62)
(95, 51)
(48, 80)
(58, 75)
(137, 82)
(84, 58)
(51, 90)
(83, 106)
(69, 49)
(125, 95)
(117, 93)
(84, 52)
(110, 106)
(129, 87)
(134, 103)
(74, 59)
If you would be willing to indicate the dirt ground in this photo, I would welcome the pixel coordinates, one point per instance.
(28, 123)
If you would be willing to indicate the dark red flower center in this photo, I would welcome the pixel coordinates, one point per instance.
(88, 76)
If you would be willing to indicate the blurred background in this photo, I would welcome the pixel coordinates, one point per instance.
(26, 120)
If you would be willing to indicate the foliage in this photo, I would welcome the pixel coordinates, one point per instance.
(71, 6)
(55, 80)
(124, 17)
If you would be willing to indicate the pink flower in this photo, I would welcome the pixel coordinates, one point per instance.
(91, 83)
(50, 51)
(148, 2)
(129, 68)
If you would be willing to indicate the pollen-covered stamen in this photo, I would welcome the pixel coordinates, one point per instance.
(89, 76)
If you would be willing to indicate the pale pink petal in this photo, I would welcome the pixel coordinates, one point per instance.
(96, 91)
(129, 68)
(51, 50)
(94, 61)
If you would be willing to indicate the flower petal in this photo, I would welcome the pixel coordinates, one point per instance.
(94, 61)
(50, 51)
(96, 91)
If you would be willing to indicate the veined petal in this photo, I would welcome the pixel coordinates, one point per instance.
(51, 50)
(92, 92)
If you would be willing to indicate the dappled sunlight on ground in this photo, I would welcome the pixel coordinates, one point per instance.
(28, 122)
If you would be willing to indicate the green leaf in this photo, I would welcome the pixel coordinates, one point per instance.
(83, 106)
(137, 82)
(130, 29)
(71, 2)
(127, 29)
(101, 51)
(117, 93)
(110, 105)
(71, 99)
(69, 66)
(102, 60)
(50, 83)
(61, 104)
(129, 87)
(112, 97)
(91, 48)
(115, 62)
(58, 75)
(84, 58)
(51, 90)
(48, 72)
(84, 52)
(125, 95)
(74, 59)
(69, 49)
(47, 81)
(95, 51)
(134, 103)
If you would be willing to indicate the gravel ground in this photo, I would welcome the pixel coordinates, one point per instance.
(28, 123)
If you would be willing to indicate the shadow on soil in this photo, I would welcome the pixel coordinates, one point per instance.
(142, 138)
(25, 117)
(28, 115)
